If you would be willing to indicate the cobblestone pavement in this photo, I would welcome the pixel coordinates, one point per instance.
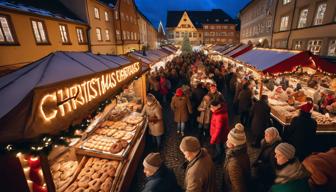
(174, 158)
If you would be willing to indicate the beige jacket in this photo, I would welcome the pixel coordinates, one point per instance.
(154, 111)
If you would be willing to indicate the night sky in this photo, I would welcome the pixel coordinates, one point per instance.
(156, 10)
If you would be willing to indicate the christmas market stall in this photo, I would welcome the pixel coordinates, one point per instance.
(154, 58)
(289, 78)
(71, 121)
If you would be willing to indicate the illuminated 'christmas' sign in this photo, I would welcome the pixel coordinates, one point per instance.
(68, 99)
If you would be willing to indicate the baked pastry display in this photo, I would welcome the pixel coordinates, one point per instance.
(133, 119)
(96, 175)
(119, 134)
(119, 125)
(62, 172)
(106, 131)
(99, 142)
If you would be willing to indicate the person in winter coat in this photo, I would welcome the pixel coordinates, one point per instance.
(219, 127)
(244, 104)
(153, 110)
(291, 176)
(164, 88)
(181, 107)
(200, 174)
(322, 168)
(158, 176)
(205, 114)
(302, 132)
(265, 163)
(237, 164)
(260, 115)
(214, 93)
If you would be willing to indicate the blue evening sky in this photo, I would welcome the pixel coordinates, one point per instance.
(156, 10)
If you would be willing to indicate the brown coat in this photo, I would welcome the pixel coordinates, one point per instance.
(154, 111)
(205, 113)
(181, 107)
(237, 169)
(200, 174)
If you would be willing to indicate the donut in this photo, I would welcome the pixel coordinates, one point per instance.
(97, 166)
(123, 143)
(111, 172)
(115, 164)
(90, 189)
(104, 177)
(106, 186)
(72, 187)
(95, 184)
(97, 175)
(83, 182)
(116, 148)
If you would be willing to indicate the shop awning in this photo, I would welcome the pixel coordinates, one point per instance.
(278, 61)
(52, 77)
(239, 50)
(231, 48)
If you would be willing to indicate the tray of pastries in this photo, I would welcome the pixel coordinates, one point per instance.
(133, 119)
(62, 173)
(105, 147)
(97, 175)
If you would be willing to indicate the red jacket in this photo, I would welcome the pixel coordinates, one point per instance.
(163, 86)
(219, 126)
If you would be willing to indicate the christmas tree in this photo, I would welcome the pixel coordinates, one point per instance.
(186, 47)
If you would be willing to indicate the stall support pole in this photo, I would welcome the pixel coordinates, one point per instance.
(260, 85)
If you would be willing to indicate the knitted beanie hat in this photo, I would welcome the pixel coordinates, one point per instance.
(190, 144)
(153, 161)
(286, 149)
(274, 132)
(237, 135)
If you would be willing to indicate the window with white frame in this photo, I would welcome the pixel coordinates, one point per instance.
(80, 35)
(284, 23)
(98, 33)
(332, 48)
(320, 12)
(124, 35)
(39, 32)
(128, 35)
(314, 46)
(303, 18)
(218, 27)
(206, 27)
(64, 34)
(107, 35)
(106, 16)
(298, 45)
(118, 35)
(116, 15)
(177, 34)
(212, 27)
(127, 18)
(96, 13)
(131, 35)
(6, 34)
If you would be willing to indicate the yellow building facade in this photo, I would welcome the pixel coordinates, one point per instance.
(35, 36)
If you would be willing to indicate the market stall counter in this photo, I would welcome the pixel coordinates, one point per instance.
(93, 133)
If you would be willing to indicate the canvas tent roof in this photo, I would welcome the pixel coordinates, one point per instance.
(243, 48)
(56, 69)
(277, 61)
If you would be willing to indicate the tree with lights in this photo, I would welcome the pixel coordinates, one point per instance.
(186, 46)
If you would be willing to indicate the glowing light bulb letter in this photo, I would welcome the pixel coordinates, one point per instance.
(52, 114)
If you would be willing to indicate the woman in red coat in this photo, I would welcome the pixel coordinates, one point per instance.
(219, 127)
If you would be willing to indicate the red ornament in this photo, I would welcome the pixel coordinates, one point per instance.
(34, 162)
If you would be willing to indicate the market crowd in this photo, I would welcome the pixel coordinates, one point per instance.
(218, 101)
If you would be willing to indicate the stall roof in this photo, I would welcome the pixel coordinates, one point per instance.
(170, 49)
(55, 67)
(239, 50)
(277, 60)
(231, 48)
